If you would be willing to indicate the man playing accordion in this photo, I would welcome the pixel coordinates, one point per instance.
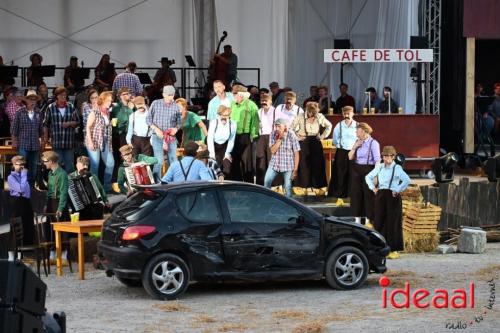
(131, 161)
(92, 211)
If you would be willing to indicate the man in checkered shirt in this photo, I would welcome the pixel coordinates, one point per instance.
(285, 156)
(129, 80)
(164, 118)
(60, 122)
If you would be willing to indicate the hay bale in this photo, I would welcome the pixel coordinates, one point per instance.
(412, 194)
(420, 242)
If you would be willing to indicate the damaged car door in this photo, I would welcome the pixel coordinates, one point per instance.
(201, 237)
(267, 233)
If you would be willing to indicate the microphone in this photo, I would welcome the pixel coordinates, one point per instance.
(82, 63)
(367, 93)
(224, 33)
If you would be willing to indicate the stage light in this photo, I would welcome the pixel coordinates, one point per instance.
(443, 167)
(492, 168)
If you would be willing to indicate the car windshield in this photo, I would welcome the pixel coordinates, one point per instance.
(138, 205)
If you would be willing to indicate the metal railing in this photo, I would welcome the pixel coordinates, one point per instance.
(191, 78)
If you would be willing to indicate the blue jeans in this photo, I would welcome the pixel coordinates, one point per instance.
(158, 152)
(66, 157)
(95, 157)
(31, 157)
(287, 176)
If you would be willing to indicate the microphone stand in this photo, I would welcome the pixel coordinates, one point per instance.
(369, 102)
(389, 93)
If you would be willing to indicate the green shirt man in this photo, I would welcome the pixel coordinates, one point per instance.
(58, 187)
(245, 114)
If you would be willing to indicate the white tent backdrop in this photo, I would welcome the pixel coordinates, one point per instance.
(285, 38)
(314, 24)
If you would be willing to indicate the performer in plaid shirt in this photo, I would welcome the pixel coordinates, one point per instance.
(60, 122)
(285, 156)
(98, 138)
(129, 80)
(26, 130)
(164, 114)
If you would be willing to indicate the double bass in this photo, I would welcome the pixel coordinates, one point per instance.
(215, 62)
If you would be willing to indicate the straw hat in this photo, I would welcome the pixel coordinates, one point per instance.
(31, 94)
(389, 150)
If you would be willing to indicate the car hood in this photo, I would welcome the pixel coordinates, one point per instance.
(346, 221)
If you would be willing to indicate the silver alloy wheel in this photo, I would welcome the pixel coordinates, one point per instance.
(348, 269)
(167, 277)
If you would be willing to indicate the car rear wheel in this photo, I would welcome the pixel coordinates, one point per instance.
(166, 276)
(130, 282)
(346, 268)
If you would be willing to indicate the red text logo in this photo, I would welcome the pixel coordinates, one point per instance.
(422, 298)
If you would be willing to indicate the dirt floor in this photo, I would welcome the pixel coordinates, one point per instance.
(102, 304)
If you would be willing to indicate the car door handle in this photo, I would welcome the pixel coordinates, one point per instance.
(232, 236)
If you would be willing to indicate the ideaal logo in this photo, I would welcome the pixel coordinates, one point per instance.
(439, 299)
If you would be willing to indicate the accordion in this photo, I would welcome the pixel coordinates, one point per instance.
(83, 191)
(139, 175)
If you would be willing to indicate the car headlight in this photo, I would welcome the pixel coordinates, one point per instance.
(378, 238)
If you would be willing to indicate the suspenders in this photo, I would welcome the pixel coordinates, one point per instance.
(217, 124)
(186, 174)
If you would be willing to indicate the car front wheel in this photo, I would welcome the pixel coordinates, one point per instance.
(165, 277)
(346, 268)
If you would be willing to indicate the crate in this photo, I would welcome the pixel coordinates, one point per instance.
(420, 217)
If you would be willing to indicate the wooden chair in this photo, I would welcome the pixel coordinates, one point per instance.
(17, 231)
(38, 203)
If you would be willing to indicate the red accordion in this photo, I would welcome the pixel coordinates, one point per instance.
(139, 175)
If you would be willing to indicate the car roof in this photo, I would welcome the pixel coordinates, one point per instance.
(196, 184)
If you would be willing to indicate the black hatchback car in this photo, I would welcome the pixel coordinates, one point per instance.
(166, 236)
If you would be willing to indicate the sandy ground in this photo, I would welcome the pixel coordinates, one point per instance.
(102, 304)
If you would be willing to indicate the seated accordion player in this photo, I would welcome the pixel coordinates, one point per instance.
(83, 191)
(139, 175)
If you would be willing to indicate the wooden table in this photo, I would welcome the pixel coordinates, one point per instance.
(79, 228)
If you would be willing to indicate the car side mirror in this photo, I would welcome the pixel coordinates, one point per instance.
(301, 220)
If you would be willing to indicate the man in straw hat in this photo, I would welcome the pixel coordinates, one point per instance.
(285, 156)
(220, 139)
(244, 113)
(27, 133)
(204, 155)
(392, 180)
(344, 137)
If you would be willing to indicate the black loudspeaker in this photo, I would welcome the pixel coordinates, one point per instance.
(21, 289)
(417, 42)
(341, 44)
(19, 321)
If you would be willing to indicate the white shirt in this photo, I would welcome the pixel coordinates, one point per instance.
(225, 132)
(266, 120)
(288, 115)
(62, 111)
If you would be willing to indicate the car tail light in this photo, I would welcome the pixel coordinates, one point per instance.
(136, 232)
